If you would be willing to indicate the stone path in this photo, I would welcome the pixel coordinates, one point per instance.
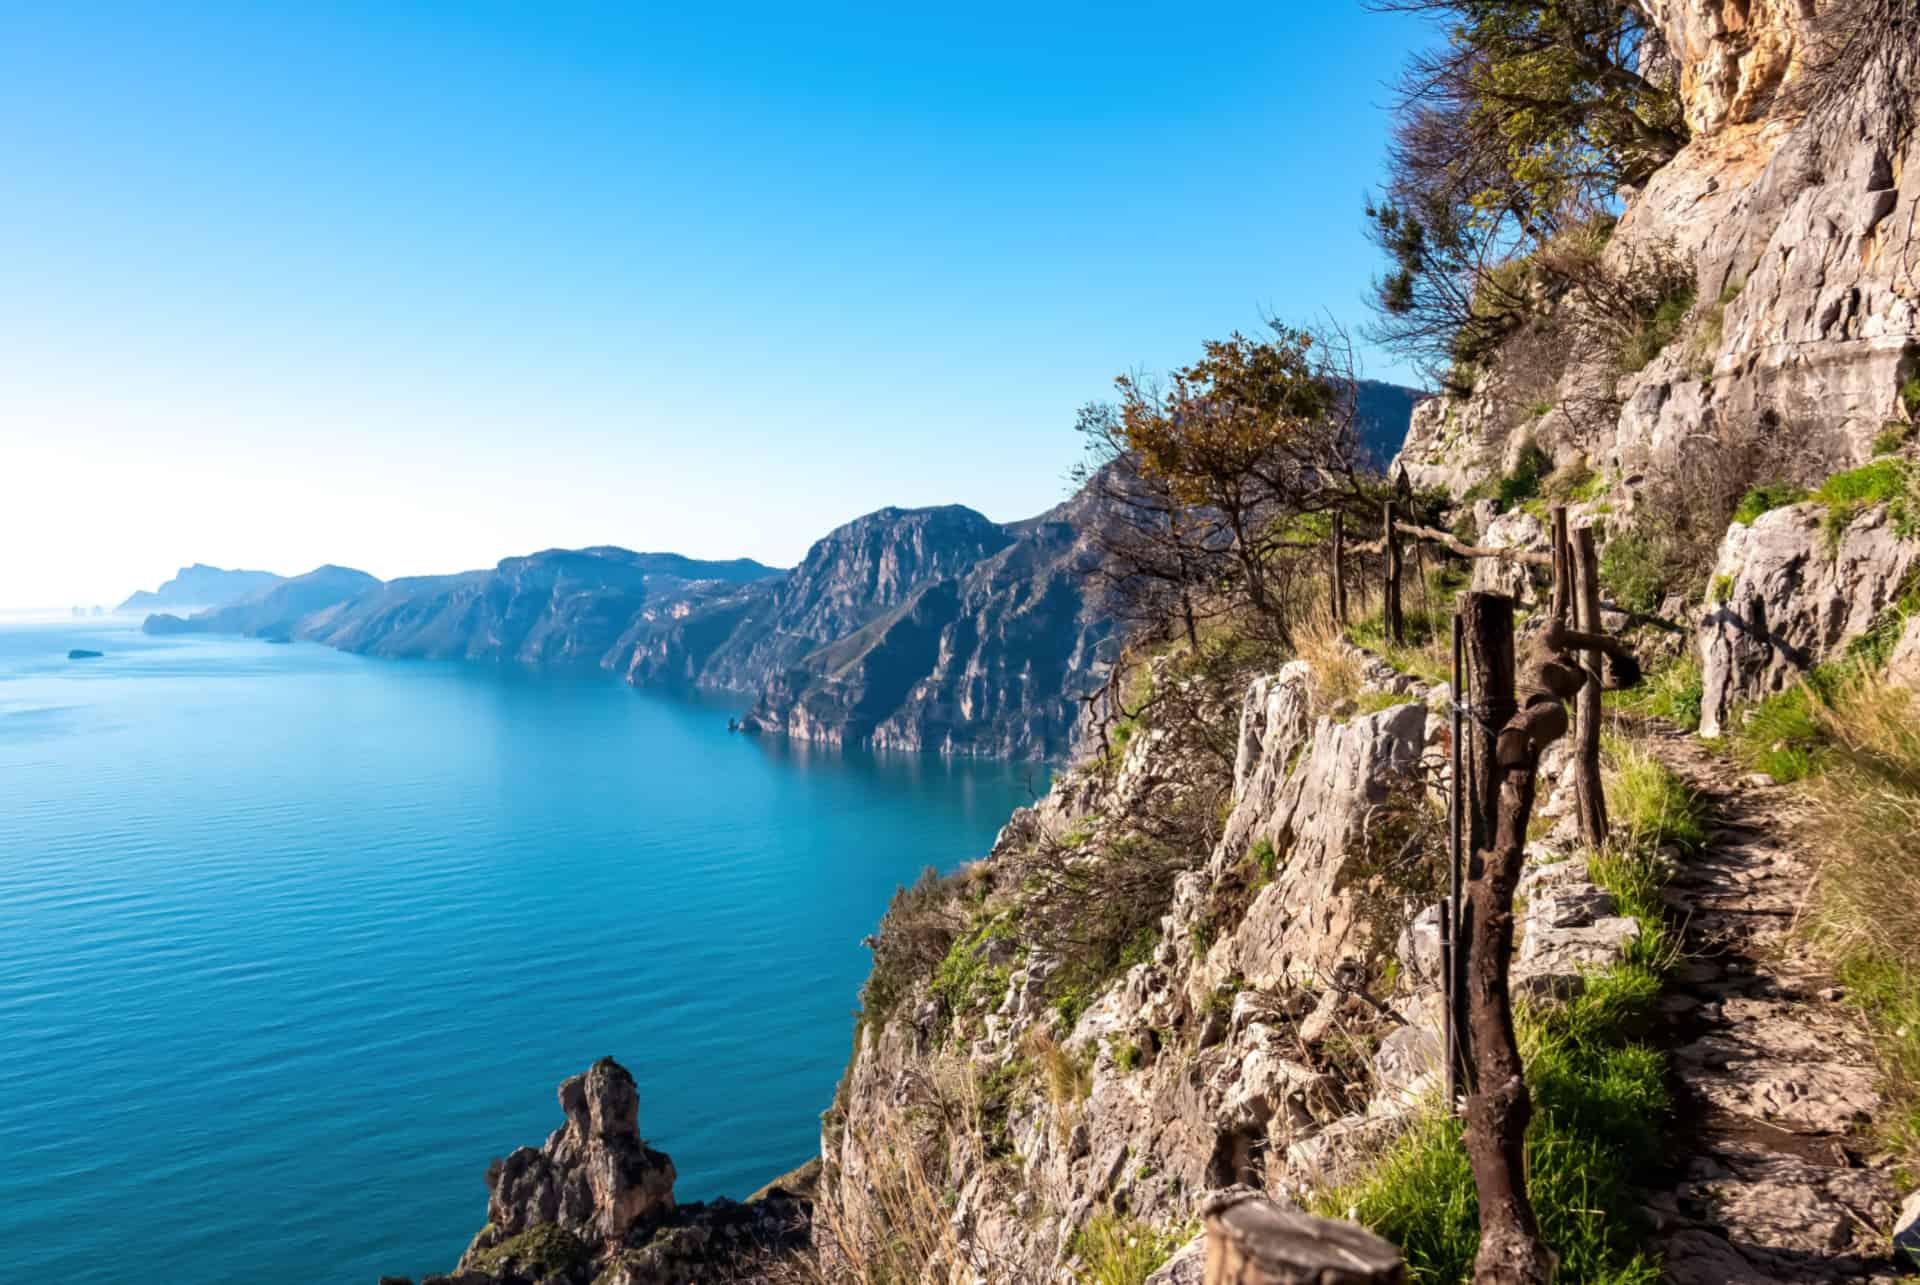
(1773, 1179)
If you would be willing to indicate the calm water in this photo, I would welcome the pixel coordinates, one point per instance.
(292, 942)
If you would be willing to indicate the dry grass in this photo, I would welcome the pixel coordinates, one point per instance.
(1069, 1078)
(1333, 667)
(1866, 905)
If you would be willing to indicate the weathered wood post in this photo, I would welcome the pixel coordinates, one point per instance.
(1500, 795)
(1339, 587)
(1590, 798)
(1562, 565)
(1450, 956)
(1252, 1240)
(1393, 625)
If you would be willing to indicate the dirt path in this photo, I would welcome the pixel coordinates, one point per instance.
(1773, 1180)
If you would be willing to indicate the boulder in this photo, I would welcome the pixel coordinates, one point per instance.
(1790, 597)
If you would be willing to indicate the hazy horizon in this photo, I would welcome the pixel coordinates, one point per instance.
(412, 290)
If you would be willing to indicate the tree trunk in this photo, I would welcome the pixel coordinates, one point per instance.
(1502, 768)
(1392, 624)
(1339, 588)
(1186, 610)
(1592, 801)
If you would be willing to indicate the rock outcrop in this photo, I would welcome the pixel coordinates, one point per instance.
(594, 1177)
(1250, 1045)
(1789, 591)
(595, 1204)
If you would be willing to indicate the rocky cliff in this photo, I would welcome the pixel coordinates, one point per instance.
(561, 606)
(298, 607)
(595, 1204)
(981, 654)
(200, 586)
(1786, 357)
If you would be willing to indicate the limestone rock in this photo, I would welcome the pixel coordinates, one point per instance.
(1792, 598)
(594, 1176)
(1303, 923)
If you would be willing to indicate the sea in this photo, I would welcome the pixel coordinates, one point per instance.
(293, 942)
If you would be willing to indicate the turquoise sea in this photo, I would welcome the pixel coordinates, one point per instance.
(292, 942)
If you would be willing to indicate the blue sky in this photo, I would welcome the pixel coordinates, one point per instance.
(414, 287)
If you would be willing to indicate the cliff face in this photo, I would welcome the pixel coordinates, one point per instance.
(201, 586)
(988, 657)
(1793, 206)
(562, 606)
(288, 608)
(1234, 1042)
(1792, 210)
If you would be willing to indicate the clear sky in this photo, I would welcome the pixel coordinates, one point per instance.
(415, 286)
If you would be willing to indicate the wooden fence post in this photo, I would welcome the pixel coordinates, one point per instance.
(1392, 623)
(1339, 569)
(1591, 799)
(1562, 565)
(1502, 759)
(1252, 1240)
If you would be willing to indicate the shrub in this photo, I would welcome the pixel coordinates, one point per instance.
(1892, 436)
(1910, 396)
(1657, 331)
(1522, 482)
(915, 936)
(1765, 498)
(1634, 569)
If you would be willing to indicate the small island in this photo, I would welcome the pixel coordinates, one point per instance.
(81, 653)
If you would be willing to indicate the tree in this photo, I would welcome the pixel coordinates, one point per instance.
(1521, 125)
(1213, 466)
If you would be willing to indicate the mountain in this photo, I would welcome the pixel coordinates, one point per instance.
(289, 608)
(920, 629)
(988, 659)
(201, 586)
(1383, 412)
(560, 606)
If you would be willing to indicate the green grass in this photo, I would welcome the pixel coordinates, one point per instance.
(1887, 480)
(1116, 1250)
(1764, 499)
(1780, 735)
(1891, 437)
(1647, 803)
(1600, 1105)
(1674, 692)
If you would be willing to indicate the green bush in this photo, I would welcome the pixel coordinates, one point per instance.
(1634, 569)
(1910, 396)
(1765, 498)
(1657, 331)
(1892, 436)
